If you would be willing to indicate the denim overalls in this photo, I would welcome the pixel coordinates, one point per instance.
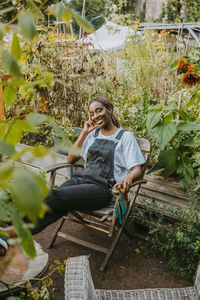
(100, 162)
(87, 189)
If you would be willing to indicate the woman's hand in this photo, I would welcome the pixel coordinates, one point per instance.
(89, 126)
(124, 184)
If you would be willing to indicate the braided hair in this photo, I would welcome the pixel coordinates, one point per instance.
(107, 105)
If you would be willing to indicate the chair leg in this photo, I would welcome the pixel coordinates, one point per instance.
(111, 250)
(52, 240)
(116, 239)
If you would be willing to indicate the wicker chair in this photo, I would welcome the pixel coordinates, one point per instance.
(79, 286)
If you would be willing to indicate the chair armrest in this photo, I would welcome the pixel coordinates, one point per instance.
(63, 165)
(78, 279)
(140, 181)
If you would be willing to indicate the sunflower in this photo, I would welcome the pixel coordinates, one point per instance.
(190, 78)
(183, 66)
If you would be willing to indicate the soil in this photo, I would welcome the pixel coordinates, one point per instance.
(129, 267)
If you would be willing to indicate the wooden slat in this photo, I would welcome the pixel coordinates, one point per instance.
(82, 243)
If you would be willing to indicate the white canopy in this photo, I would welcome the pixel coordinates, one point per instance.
(109, 37)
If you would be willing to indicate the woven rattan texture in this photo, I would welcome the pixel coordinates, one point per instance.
(78, 280)
(79, 286)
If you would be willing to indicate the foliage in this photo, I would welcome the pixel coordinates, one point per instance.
(173, 233)
(21, 191)
(181, 11)
(176, 129)
(94, 11)
(44, 289)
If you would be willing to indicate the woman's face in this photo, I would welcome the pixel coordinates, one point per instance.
(99, 114)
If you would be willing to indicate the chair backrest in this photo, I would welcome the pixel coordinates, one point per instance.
(78, 279)
(197, 284)
(145, 147)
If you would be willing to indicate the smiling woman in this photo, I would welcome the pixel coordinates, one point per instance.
(113, 160)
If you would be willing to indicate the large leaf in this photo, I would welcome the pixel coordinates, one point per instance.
(35, 10)
(67, 16)
(188, 126)
(9, 94)
(5, 172)
(6, 149)
(27, 27)
(10, 64)
(15, 47)
(186, 170)
(28, 192)
(152, 119)
(87, 26)
(15, 131)
(23, 232)
(167, 160)
(36, 119)
(58, 10)
(163, 133)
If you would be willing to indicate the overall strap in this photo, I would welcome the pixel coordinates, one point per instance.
(120, 133)
(96, 131)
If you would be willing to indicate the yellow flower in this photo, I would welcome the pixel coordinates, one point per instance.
(138, 24)
(183, 66)
(190, 78)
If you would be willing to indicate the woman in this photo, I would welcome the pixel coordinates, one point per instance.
(113, 160)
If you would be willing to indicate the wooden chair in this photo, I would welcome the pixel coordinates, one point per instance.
(79, 285)
(102, 219)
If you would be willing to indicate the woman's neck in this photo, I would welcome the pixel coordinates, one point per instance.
(109, 130)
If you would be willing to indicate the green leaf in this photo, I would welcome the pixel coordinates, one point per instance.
(185, 170)
(188, 126)
(58, 130)
(23, 232)
(35, 9)
(5, 172)
(62, 82)
(6, 10)
(2, 32)
(28, 191)
(87, 26)
(166, 161)
(15, 131)
(27, 26)
(36, 119)
(67, 16)
(182, 113)
(152, 119)
(39, 151)
(15, 47)
(6, 149)
(9, 94)
(58, 10)
(10, 64)
(163, 133)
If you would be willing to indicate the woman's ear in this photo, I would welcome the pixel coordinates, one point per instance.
(110, 110)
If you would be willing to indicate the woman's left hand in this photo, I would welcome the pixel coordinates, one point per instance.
(124, 184)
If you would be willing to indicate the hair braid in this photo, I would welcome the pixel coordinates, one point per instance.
(108, 105)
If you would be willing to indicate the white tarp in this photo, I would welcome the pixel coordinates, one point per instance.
(109, 37)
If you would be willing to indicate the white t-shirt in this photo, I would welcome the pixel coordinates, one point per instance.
(127, 152)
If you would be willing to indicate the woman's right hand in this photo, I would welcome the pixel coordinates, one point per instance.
(89, 126)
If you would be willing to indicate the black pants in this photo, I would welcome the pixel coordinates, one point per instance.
(72, 195)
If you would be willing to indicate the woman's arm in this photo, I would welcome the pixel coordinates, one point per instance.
(133, 174)
(88, 127)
